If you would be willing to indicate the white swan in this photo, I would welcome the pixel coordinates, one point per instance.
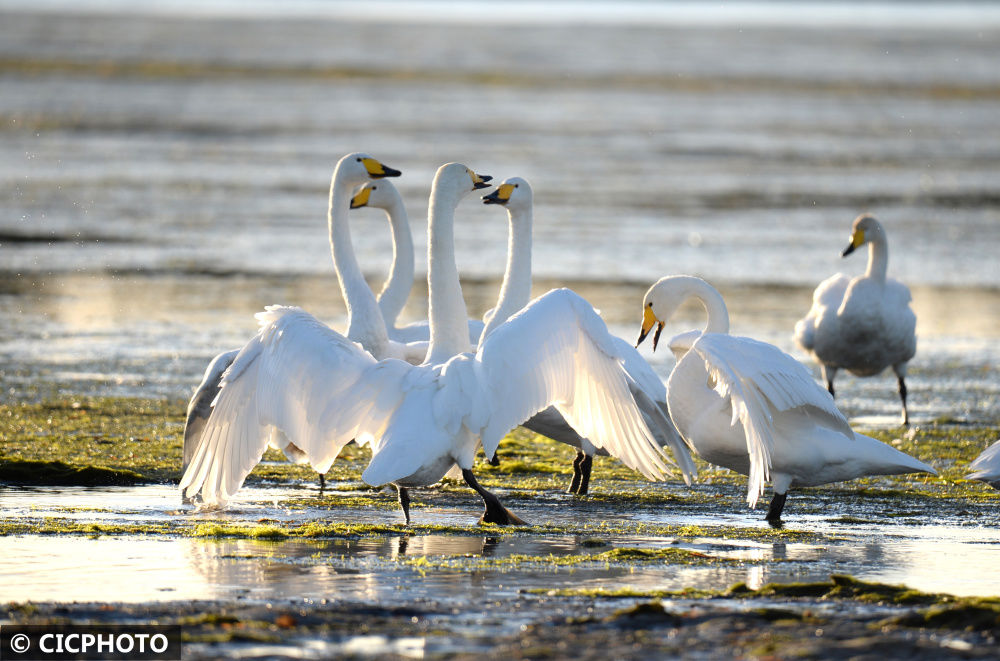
(301, 377)
(396, 290)
(750, 407)
(863, 324)
(987, 466)
(364, 323)
(648, 390)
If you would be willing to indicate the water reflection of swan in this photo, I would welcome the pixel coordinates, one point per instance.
(863, 324)
(300, 376)
(987, 466)
(750, 407)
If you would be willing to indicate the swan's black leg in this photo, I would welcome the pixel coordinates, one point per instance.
(495, 461)
(404, 502)
(574, 486)
(495, 512)
(322, 481)
(902, 396)
(585, 467)
(829, 386)
(777, 505)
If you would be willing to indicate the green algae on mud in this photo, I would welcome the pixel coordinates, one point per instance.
(58, 473)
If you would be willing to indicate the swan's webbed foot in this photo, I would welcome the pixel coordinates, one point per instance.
(574, 486)
(774, 511)
(902, 397)
(495, 512)
(404, 502)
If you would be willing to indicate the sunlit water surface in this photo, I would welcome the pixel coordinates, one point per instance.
(948, 555)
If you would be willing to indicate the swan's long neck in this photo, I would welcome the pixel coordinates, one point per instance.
(715, 306)
(397, 288)
(515, 292)
(447, 312)
(364, 320)
(878, 259)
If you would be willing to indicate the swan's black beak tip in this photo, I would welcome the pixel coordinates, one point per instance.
(847, 251)
(389, 172)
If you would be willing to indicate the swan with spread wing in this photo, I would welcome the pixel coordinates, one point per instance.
(748, 406)
(316, 386)
(516, 196)
(362, 325)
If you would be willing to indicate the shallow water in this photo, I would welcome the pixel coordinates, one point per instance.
(943, 554)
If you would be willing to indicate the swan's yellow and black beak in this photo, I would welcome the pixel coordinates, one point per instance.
(857, 240)
(648, 321)
(479, 180)
(377, 170)
(362, 197)
(501, 195)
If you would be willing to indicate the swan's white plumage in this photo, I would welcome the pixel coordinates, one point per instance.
(862, 324)
(987, 466)
(364, 318)
(760, 382)
(304, 379)
(748, 406)
(392, 299)
(648, 391)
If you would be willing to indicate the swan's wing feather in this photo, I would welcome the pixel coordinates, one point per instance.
(300, 377)
(761, 381)
(558, 351)
(650, 395)
(200, 407)
(987, 465)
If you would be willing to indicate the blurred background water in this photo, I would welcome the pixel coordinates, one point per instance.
(164, 168)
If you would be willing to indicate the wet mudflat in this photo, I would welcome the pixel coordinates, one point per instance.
(634, 568)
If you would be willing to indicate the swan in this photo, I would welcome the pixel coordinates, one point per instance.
(862, 324)
(317, 386)
(364, 318)
(987, 466)
(515, 195)
(750, 407)
(396, 290)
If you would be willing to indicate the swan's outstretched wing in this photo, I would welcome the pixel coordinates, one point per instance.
(987, 466)
(299, 377)
(200, 406)
(558, 351)
(761, 381)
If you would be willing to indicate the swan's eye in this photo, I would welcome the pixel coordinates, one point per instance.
(359, 159)
(374, 187)
(516, 185)
(649, 305)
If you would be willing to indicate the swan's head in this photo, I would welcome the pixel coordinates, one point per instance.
(662, 300)
(513, 193)
(457, 180)
(376, 194)
(357, 168)
(865, 230)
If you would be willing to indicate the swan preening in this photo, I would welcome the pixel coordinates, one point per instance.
(750, 407)
(862, 324)
(316, 386)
